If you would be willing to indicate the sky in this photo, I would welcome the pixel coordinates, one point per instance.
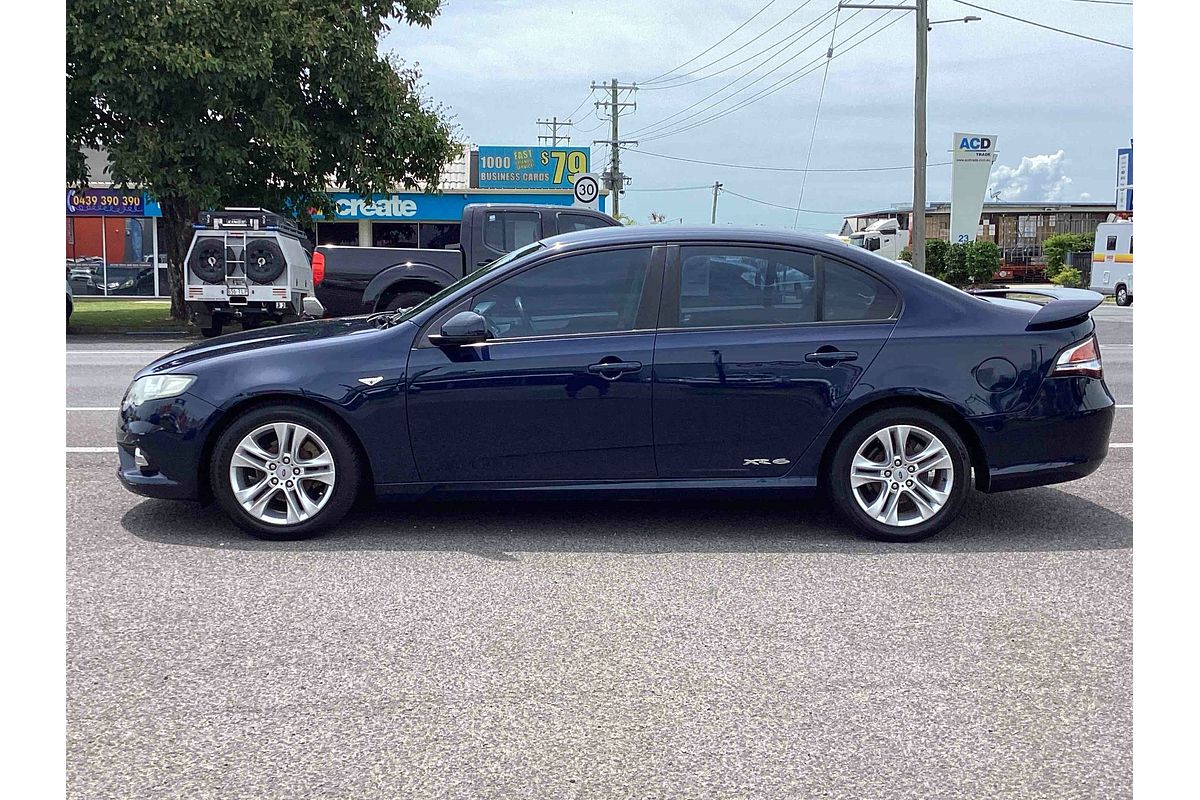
(1058, 106)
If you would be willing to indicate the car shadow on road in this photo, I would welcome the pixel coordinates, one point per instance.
(1045, 519)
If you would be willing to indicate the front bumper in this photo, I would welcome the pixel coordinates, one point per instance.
(170, 434)
(1062, 436)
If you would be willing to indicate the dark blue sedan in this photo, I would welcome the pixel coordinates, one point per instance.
(637, 361)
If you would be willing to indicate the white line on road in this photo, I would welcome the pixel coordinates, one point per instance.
(91, 449)
(117, 352)
(93, 408)
(1120, 444)
(1125, 406)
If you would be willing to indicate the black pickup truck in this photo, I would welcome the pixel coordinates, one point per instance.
(361, 280)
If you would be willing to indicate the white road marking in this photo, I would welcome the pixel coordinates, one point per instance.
(91, 449)
(1125, 406)
(1120, 444)
(117, 352)
(93, 408)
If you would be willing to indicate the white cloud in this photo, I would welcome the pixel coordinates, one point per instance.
(1036, 178)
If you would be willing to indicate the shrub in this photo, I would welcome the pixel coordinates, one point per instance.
(983, 259)
(1069, 277)
(935, 256)
(906, 255)
(1057, 246)
(955, 271)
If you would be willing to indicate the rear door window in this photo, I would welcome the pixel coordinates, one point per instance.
(852, 295)
(723, 286)
(568, 223)
(504, 231)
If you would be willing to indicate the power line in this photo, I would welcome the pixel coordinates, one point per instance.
(790, 14)
(660, 76)
(816, 118)
(661, 124)
(1105, 2)
(582, 102)
(641, 152)
(667, 188)
(1045, 27)
(783, 82)
(777, 205)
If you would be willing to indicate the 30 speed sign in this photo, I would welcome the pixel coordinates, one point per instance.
(587, 189)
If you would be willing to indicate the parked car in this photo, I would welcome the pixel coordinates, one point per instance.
(637, 361)
(360, 280)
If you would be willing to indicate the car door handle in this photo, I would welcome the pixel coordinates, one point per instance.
(614, 369)
(831, 356)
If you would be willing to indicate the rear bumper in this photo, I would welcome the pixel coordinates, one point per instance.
(170, 433)
(1062, 436)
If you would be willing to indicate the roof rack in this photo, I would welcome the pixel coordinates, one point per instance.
(248, 219)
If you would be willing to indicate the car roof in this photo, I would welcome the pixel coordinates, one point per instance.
(635, 234)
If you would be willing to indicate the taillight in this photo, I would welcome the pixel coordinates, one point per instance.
(318, 267)
(1080, 359)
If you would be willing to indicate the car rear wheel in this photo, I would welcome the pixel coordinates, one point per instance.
(900, 475)
(406, 300)
(1122, 296)
(285, 472)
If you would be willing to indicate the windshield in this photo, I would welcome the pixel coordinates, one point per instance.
(507, 258)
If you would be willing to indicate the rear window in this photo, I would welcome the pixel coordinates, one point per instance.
(852, 295)
(507, 230)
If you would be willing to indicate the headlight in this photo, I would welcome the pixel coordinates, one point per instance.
(156, 387)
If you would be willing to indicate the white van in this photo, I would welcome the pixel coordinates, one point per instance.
(1112, 261)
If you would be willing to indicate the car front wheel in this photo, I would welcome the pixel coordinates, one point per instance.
(1123, 298)
(900, 475)
(285, 472)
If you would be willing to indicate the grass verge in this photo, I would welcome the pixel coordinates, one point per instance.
(102, 315)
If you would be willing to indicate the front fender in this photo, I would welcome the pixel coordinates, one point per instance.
(400, 273)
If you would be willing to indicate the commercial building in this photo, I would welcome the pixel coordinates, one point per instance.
(1018, 228)
(112, 234)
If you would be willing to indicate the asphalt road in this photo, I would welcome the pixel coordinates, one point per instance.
(599, 650)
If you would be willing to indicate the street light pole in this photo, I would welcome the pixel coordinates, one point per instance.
(716, 188)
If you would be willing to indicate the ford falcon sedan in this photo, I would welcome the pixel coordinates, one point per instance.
(634, 362)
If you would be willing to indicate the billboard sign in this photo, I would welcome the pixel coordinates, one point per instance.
(1125, 179)
(973, 157)
(530, 167)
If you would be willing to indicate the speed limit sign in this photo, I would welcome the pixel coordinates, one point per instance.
(587, 189)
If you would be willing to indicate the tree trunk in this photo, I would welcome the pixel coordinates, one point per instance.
(179, 214)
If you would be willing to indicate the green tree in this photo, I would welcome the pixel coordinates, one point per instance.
(1056, 248)
(626, 220)
(983, 259)
(259, 102)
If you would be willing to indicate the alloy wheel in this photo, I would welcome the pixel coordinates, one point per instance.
(282, 473)
(902, 475)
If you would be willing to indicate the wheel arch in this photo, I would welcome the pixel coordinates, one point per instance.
(394, 279)
(942, 409)
(230, 415)
(405, 285)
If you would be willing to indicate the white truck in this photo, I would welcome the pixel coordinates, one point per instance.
(248, 265)
(883, 238)
(1112, 261)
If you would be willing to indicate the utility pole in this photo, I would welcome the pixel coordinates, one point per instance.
(920, 156)
(613, 178)
(916, 225)
(553, 124)
(716, 189)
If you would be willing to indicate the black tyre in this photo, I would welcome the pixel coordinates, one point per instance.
(285, 472)
(406, 300)
(207, 261)
(264, 260)
(212, 329)
(1123, 296)
(900, 475)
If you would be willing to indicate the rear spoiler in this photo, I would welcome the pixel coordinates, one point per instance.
(1066, 307)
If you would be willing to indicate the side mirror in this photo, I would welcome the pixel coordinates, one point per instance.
(465, 327)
